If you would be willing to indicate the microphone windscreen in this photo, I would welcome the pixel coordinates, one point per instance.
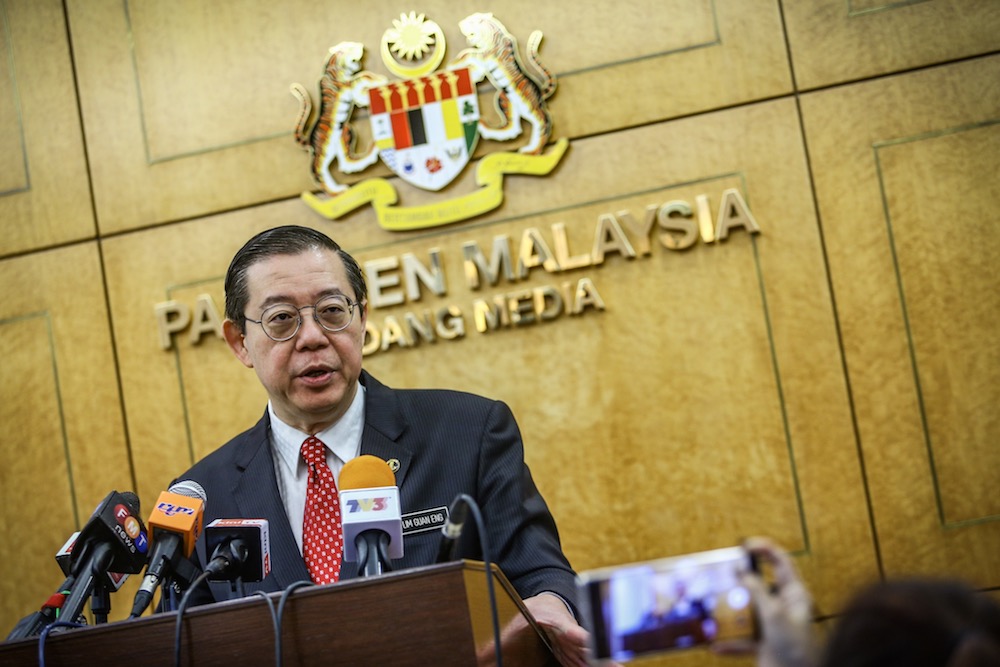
(189, 488)
(132, 502)
(366, 472)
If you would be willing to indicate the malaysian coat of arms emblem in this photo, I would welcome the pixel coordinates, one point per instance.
(425, 126)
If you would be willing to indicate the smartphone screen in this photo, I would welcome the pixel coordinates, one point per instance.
(673, 603)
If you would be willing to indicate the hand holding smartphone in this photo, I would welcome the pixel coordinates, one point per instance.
(652, 607)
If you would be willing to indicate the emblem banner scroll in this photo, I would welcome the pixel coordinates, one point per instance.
(489, 175)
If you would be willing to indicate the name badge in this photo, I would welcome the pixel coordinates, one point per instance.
(429, 519)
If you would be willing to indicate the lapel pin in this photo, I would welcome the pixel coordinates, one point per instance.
(393, 465)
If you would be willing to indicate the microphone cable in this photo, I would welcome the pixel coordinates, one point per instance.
(181, 608)
(484, 547)
(285, 594)
(274, 617)
(45, 635)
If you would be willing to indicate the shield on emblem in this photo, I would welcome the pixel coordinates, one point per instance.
(426, 128)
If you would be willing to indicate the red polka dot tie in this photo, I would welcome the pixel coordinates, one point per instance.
(322, 536)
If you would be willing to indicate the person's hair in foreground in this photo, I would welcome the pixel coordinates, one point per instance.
(904, 622)
(916, 623)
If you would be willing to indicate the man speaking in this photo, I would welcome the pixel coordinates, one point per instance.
(296, 307)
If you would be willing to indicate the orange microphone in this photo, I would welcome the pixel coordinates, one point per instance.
(174, 526)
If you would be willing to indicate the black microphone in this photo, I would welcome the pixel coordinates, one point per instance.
(240, 550)
(451, 531)
(115, 579)
(175, 524)
(113, 540)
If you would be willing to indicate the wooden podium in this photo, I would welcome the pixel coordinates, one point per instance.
(434, 615)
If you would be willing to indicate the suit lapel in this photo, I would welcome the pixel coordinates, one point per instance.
(384, 424)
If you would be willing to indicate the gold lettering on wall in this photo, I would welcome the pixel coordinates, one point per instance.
(175, 316)
(396, 280)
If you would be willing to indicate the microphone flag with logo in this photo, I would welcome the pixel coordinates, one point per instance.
(238, 549)
(370, 511)
(116, 522)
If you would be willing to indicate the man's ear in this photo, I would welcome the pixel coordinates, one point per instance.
(235, 339)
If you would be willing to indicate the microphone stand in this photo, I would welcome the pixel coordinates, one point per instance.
(94, 568)
(373, 553)
(175, 581)
(100, 600)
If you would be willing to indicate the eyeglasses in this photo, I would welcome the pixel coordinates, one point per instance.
(282, 321)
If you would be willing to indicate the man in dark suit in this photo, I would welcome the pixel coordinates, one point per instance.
(296, 307)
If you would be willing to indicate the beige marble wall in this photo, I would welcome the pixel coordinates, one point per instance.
(828, 381)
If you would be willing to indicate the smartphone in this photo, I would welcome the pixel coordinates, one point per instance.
(653, 607)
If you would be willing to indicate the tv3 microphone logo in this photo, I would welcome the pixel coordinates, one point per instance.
(367, 505)
(129, 529)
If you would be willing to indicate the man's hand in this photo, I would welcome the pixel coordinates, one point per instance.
(568, 638)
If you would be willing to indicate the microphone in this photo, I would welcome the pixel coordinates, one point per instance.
(174, 527)
(115, 579)
(370, 514)
(114, 538)
(451, 531)
(240, 548)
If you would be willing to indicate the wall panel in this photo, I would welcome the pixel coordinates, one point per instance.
(63, 442)
(910, 242)
(833, 41)
(694, 55)
(44, 188)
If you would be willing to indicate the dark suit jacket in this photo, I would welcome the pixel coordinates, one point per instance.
(447, 443)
